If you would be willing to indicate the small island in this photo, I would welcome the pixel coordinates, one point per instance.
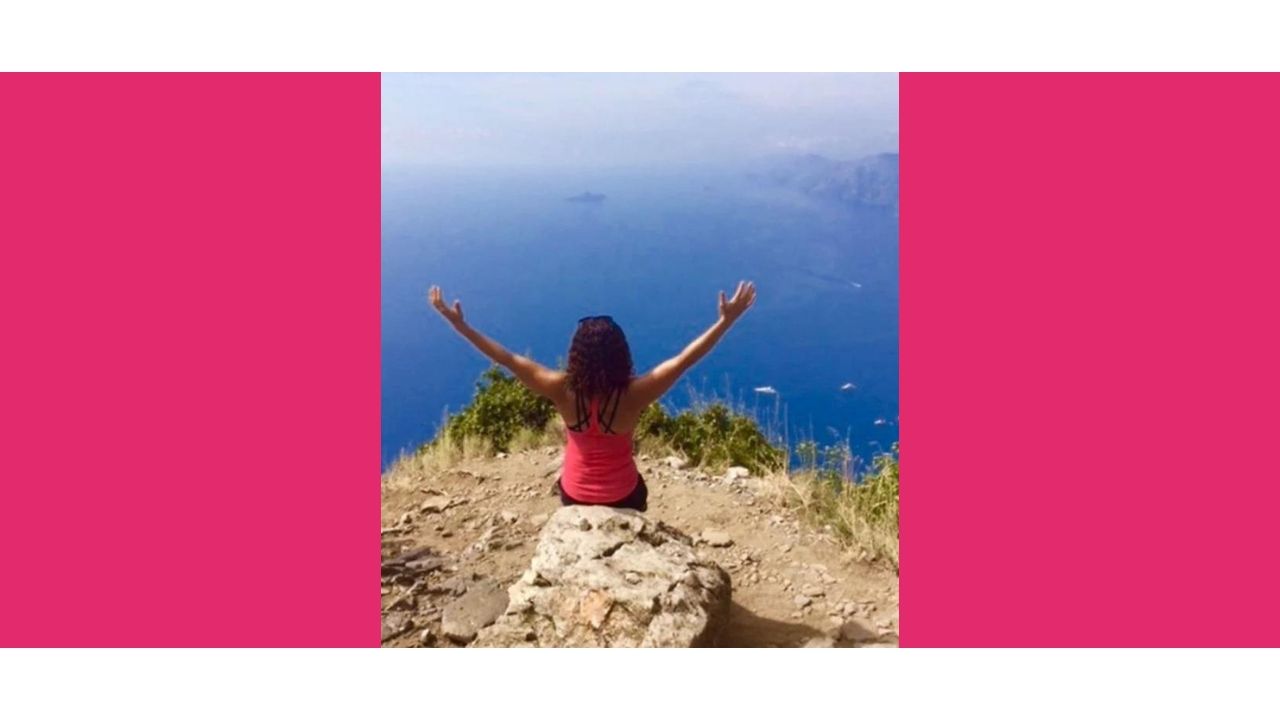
(587, 197)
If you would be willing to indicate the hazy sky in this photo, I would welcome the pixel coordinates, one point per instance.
(580, 120)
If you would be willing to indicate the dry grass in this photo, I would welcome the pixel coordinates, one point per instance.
(655, 447)
(446, 452)
(864, 516)
(550, 435)
(434, 458)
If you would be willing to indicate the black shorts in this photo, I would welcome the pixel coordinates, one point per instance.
(637, 500)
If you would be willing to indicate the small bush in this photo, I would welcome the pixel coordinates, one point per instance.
(714, 436)
(653, 423)
(502, 410)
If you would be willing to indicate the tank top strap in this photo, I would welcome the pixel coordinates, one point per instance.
(591, 413)
(607, 425)
(583, 413)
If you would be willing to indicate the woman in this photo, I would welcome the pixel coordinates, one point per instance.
(600, 397)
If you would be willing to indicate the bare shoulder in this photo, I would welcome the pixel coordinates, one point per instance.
(631, 405)
(558, 377)
(555, 384)
(647, 387)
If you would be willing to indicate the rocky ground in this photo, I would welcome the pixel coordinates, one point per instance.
(453, 542)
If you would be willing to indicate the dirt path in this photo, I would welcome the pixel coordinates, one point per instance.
(478, 523)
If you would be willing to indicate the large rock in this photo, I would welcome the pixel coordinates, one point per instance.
(602, 577)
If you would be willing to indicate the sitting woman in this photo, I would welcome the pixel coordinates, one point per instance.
(600, 397)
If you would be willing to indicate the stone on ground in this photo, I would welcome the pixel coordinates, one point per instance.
(603, 577)
(716, 538)
(480, 606)
(396, 623)
(435, 504)
(856, 632)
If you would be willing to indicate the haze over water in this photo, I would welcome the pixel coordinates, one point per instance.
(690, 209)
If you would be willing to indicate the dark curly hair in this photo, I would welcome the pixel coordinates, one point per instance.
(599, 358)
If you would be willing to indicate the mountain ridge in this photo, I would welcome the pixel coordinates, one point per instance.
(867, 181)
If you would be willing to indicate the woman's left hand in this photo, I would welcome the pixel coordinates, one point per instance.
(454, 314)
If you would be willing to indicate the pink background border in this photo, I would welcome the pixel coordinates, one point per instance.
(1089, 360)
(189, 274)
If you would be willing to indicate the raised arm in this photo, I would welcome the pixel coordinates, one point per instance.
(538, 378)
(654, 384)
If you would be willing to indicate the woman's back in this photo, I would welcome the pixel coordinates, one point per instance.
(599, 465)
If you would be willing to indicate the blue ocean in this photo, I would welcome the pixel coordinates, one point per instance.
(815, 358)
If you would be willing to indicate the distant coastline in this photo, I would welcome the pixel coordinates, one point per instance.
(870, 181)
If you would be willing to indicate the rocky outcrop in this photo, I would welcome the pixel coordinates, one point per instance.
(466, 534)
(602, 577)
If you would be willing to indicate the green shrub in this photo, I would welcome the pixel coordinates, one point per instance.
(714, 437)
(653, 423)
(504, 411)
(501, 409)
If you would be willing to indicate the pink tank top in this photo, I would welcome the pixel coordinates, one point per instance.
(598, 465)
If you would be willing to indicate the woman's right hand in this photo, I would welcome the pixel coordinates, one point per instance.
(743, 298)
